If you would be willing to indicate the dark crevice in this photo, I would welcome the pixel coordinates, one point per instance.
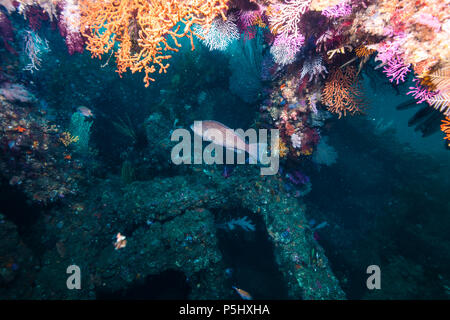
(17, 208)
(249, 255)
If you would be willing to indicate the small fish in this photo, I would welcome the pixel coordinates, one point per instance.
(86, 112)
(244, 294)
(121, 241)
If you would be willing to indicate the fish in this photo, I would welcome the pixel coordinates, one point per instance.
(232, 141)
(86, 112)
(244, 294)
(121, 241)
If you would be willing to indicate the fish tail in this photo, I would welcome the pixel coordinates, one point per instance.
(256, 149)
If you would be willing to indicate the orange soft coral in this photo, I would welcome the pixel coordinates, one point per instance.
(342, 93)
(142, 29)
(445, 127)
(363, 51)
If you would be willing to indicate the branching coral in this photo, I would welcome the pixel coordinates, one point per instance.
(285, 48)
(144, 30)
(342, 93)
(16, 92)
(440, 80)
(67, 138)
(252, 18)
(396, 70)
(284, 18)
(424, 24)
(445, 127)
(420, 93)
(363, 51)
(220, 34)
(313, 67)
(34, 48)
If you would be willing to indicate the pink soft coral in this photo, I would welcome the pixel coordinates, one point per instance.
(420, 93)
(69, 26)
(396, 70)
(285, 48)
(340, 10)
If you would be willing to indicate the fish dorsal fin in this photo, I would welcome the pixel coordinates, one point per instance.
(226, 128)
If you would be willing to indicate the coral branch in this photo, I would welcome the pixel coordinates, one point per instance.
(142, 29)
(342, 93)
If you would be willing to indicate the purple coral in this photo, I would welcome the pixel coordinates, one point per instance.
(340, 10)
(69, 27)
(420, 93)
(313, 98)
(247, 18)
(313, 67)
(396, 70)
(285, 47)
(6, 32)
(16, 92)
(388, 50)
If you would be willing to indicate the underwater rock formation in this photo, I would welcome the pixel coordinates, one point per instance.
(169, 226)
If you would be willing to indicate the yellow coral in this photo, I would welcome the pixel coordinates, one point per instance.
(67, 138)
(281, 149)
(331, 53)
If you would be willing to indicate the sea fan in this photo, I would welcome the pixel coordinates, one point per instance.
(285, 48)
(441, 102)
(313, 67)
(441, 80)
(221, 33)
